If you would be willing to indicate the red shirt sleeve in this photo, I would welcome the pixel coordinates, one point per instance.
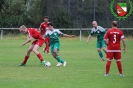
(122, 35)
(106, 36)
(30, 32)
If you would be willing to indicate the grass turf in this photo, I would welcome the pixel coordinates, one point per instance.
(84, 68)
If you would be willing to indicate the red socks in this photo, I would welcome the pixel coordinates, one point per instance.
(47, 48)
(108, 66)
(119, 65)
(25, 59)
(40, 57)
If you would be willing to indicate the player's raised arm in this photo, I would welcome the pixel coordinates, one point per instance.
(70, 36)
(65, 35)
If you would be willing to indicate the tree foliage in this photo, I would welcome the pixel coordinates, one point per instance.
(12, 13)
(64, 13)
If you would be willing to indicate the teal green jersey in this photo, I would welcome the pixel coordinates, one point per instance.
(99, 32)
(53, 35)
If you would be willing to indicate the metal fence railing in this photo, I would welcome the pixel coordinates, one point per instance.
(66, 29)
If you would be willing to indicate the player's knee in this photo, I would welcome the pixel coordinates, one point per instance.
(55, 52)
(34, 50)
(29, 50)
(98, 50)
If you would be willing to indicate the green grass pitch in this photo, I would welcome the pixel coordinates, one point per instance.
(84, 67)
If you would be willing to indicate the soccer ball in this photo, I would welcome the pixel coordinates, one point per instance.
(47, 64)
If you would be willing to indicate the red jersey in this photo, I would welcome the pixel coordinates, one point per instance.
(34, 33)
(43, 27)
(114, 37)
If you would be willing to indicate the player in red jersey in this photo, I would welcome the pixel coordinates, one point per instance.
(42, 29)
(36, 44)
(112, 38)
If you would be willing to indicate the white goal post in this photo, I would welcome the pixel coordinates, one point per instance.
(75, 29)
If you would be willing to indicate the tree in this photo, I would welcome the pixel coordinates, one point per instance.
(13, 13)
(35, 11)
(64, 13)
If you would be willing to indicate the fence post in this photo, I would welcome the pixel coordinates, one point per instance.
(80, 34)
(1, 34)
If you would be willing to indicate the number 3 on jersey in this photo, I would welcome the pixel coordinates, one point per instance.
(114, 41)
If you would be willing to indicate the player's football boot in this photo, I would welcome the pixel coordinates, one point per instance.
(106, 75)
(59, 64)
(22, 64)
(64, 64)
(121, 75)
(43, 62)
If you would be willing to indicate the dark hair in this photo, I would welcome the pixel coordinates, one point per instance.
(114, 23)
(50, 24)
(46, 17)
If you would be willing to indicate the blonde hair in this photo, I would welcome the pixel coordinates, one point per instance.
(23, 27)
